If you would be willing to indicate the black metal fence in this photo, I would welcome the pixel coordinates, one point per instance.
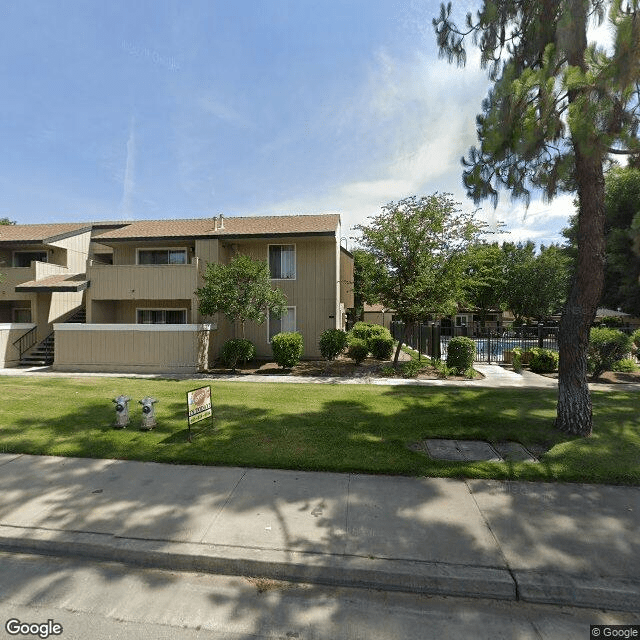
(492, 345)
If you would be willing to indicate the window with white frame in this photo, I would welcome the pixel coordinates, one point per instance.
(161, 316)
(24, 258)
(285, 323)
(162, 256)
(282, 261)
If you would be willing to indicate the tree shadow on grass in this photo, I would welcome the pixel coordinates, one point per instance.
(348, 514)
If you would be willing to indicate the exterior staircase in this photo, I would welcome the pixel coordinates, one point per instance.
(42, 354)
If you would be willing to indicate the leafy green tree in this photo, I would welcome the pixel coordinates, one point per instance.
(622, 268)
(241, 290)
(365, 273)
(519, 259)
(484, 278)
(535, 286)
(419, 243)
(557, 109)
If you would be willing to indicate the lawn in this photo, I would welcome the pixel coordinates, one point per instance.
(356, 428)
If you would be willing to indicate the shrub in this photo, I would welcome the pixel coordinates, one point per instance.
(357, 350)
(460, 353)
(237, 350)
(606, 346)
(626, 365)
(332, 343)
(543, 360)
(287, 348)
(612, 322)
(381, 347)
(366, 330)
(412, 368)
(517, 360)
(635, 339)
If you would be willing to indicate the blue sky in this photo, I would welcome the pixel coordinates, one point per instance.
(120, 110)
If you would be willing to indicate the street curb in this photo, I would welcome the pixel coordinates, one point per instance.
(432, 578)
(588, 591)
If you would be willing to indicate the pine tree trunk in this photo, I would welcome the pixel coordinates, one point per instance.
(574, 414)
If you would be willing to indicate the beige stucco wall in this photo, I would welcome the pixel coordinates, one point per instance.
(77, 251)
(346, 279)
(142, 282)
(12, 277)
(130, 348)
(8, 334)
(207, 251)
(312, 293)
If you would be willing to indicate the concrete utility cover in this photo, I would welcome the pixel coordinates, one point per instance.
(472, 450)
(514, 452)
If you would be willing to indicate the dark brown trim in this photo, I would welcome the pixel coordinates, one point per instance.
(234, 236)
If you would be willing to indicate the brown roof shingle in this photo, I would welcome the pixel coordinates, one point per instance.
(56, 282)
(233, 226)
(40, 232)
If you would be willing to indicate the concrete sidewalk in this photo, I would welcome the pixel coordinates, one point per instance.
(547, 543)
(495, 377)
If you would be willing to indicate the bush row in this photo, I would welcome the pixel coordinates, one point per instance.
(287, 348)
(608, 349)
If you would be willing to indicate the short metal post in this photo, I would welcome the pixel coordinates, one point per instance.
(540, 336)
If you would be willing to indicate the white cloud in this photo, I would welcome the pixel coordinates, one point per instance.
(414, 118)
(128, 185)
(223, 110)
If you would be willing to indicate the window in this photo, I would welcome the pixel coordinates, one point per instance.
(162, 256)
(22, 315)
(24, 258)
(286, 322)
(282, 261)
(162, 316)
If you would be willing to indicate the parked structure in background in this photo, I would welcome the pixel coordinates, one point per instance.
(378, 314)
(132, 285)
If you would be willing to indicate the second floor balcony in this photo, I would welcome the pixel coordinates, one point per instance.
(15, 276)
(143, 282)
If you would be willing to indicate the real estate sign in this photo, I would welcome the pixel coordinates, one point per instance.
(199, 404)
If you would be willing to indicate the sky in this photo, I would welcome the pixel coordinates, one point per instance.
(125, 110)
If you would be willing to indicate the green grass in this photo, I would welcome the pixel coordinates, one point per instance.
(358, 428)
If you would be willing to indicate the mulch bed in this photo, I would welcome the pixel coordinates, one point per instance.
(340, 367)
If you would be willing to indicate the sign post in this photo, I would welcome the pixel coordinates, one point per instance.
(199, 406)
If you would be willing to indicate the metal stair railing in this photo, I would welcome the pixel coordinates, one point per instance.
(26, 341)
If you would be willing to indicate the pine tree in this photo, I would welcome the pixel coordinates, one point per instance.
(557, 109)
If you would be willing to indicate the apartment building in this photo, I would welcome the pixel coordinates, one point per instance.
(137, 287)
(42, 281)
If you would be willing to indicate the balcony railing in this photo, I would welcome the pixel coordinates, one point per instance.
(143, 282)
